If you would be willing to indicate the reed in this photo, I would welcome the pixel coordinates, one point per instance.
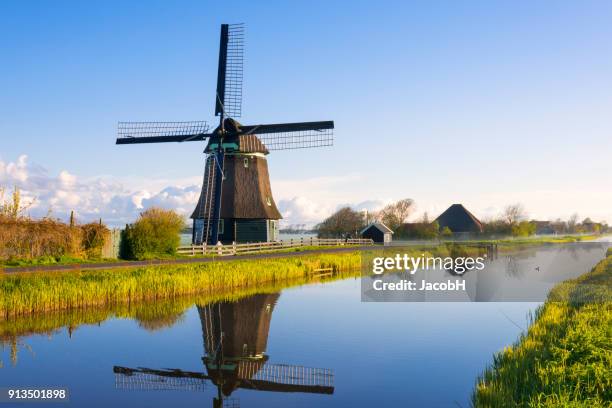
(565, 358)
(23, 294)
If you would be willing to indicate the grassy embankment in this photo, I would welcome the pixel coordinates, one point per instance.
(27, 293)
(565, 358)
(39, 292)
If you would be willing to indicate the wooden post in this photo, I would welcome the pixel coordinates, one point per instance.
(234, 247)
(219, 248)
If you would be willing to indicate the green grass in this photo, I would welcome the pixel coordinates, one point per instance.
(67, 260)
(565, 358)
(47, 291)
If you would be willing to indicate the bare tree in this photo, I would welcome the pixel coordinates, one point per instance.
(394, 214)
(572, 223)
(514, 213)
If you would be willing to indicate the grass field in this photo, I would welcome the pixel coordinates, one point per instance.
(565, 358)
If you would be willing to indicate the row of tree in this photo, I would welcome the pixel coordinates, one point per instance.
(513, 221)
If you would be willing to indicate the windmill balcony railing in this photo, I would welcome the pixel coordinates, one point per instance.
(257, 247)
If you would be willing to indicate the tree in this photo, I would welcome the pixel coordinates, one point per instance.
(514, 213)
(155, 233)
(395, 214)
(344, 222)
(446, 232)
(572, 223)
(13, 207)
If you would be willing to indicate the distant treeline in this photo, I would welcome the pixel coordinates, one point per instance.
(513, 221)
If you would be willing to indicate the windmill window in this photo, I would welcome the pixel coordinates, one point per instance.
(246, 162)
(269, 201)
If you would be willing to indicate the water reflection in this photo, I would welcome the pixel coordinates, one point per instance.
(235, 337)
(525, 275)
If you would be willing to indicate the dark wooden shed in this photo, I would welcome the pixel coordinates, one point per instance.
(378, 232)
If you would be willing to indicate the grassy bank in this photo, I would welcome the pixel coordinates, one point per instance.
(565, 358)
(40, 292)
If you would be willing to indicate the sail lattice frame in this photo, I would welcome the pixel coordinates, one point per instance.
(128, 130)
(301, 139)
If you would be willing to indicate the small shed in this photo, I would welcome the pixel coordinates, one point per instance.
(378, 232)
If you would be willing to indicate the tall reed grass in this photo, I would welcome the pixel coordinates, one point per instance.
(30, 293)
(565, 358)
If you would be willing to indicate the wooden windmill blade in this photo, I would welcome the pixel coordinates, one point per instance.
(300, 135)
(161, 132)
(228, 99)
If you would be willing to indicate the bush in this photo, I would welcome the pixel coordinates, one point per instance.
(93, 237)
(27, 239)
(156, 233)
(523, 229)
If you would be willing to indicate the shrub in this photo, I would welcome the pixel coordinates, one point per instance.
(155, 233)
(24, 238)
(93, 237)
(523, 229)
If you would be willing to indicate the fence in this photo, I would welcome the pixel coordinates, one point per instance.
(252, 248)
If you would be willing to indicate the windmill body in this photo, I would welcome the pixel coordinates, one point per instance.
(248, 211)
(236, 202)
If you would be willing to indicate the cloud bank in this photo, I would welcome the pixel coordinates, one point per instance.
(118, 201)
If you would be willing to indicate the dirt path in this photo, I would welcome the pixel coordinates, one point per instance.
(127, 264)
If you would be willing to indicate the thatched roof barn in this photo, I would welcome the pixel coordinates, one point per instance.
(459, 220)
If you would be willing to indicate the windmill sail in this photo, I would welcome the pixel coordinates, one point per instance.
(269, 377)
(159, 132)
(228, 100)
(159, 380)
(286, 136)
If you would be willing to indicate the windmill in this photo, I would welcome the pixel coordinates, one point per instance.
(235, 336)
(236, 203)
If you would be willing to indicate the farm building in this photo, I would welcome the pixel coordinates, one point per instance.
(378, 232)
(459, 220)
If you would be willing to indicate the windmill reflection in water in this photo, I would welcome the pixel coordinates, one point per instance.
(235, 336)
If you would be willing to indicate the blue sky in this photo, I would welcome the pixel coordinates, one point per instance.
(485, 103)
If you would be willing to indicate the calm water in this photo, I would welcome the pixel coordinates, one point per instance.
(280, 349)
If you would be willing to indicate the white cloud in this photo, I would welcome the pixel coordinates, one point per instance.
(301, 201)
(90, 198)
